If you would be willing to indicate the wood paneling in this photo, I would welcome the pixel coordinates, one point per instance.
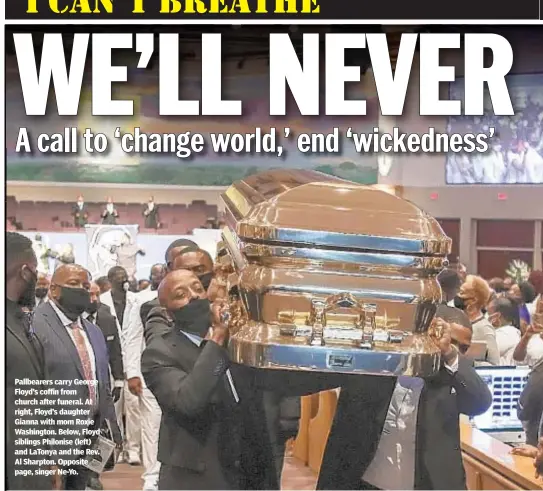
(451, 227)
(494, 263)
(505, 233)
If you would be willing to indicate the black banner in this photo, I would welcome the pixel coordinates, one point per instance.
(280, 10)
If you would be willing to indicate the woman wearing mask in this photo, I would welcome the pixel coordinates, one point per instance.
(473, 298)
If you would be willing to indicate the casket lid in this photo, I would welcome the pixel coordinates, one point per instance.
(308, 208)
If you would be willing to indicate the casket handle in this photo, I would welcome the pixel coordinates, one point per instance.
(319, 309)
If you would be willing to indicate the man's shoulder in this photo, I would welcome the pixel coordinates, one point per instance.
(160, 344)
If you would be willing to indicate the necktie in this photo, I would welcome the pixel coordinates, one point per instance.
(85, 359)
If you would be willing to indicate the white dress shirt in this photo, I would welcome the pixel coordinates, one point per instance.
(507, 338)
(393, 466)
(67, 323)
(133, 335)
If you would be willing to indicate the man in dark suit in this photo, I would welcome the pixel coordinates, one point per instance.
(24, 360)
(75, 350)
(110, 213)
(150, 212)
(422, 418)
(100, 315)
(80, 213)
(530, 404)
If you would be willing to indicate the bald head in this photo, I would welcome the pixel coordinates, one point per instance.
(67, 273)
(70, 288)
(178, 288)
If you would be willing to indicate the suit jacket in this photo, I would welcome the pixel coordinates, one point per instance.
(151, 220)
(108, 325)
(438, 459)
(203, 430)
(82, 219)
(23, 361)
(109, 218)
(63, 363)
(530, 409)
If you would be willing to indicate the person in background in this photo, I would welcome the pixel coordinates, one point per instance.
(198, 261)
(104, 284)
(449, 281)
(80, 213)
(24, 357)
(42, 288)
(497, 285)
(503, 315)
(150, 212)
(472, 298)
(120, 300)
(134, 286)
(462, 271)
(110, 214)
(174, 249)
(523, 294)
(508, 282)
(154, 317)
(75, 349)
(143, 285)
(134, 345)
(536, 280)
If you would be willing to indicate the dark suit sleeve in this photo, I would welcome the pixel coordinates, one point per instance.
(472, 394)
(531, 400)
(175, 389)
(109, 328)
(157, 323)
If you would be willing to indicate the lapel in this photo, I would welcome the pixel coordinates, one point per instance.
(21, 337)
(187, 350)
(60, 331)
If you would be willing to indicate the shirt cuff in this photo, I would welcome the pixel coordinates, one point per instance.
(132, 374)
(118, 383)
(453, 367)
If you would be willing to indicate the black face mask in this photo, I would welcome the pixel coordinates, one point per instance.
(205, 279)
(459, 303)
(93, 308)
(41, 293)
(74, 301)
(194, 318)
(28, 298)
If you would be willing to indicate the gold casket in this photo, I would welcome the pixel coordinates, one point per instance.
(328, 275)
